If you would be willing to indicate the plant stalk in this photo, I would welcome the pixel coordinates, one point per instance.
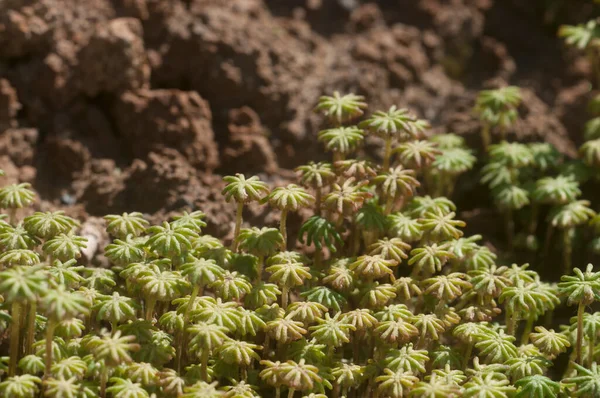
(339, 221)
(283, 229)
(12, 216)
(369, 237)
(285, 292)
(534, 218)
(318, 258)
(355, 241)
(335, 393)
(486, 137)
(30, 327)
(204, 365)
(280, 350)
(150, 303)
(449, 185)
(197, 290)
(580, 312)
(439, 307)
(356, 348)
(592, 344)
(389, 205)
(549, 232)
(511, 322)
(266, 345)
(567, 250)
(528, 328)
(103, 382)
(259, 268)
(421, 343)
(595, 64)
(346, 392)
(15, 331)
(318, 195)
(429, 181)
(502, 133)
(50, 325)
(468, 355)
(330, 351)
(387, 155)
(548, 318)
(238, 225)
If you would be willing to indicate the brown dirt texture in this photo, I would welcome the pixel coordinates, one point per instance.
(143, 105)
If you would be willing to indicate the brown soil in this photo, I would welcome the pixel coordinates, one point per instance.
(119, 105)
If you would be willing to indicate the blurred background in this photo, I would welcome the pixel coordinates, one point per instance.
(118, 105)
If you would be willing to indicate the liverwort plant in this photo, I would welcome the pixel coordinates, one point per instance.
(316, 176)
(340, 109)
(521, 300)
(586, 380)
(549, 342)
(262, 243)
(21, 286)
(510, 198)
(242, 190)
(121, 226)
(20, 386)
(345, 200)
(566, 218)
(342, 140)
(288, 198)
(555, 191)
(159, 286)
(418, 154)
(171, 241)
(446, 168)
(585, 37)
(15, 197)
(111, 350)
(322, 233)
(395, 124)
(395, 185)
(387, 293)
(49, 224)
(288, 270)
(199, 273)
(582, 289)
(59, 304)
(497, 109)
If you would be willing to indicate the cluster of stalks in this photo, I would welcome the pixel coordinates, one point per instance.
(381, 294)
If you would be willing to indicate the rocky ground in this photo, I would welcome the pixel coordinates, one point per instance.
(119, 105)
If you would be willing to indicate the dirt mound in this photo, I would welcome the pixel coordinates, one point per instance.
(117, 105)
